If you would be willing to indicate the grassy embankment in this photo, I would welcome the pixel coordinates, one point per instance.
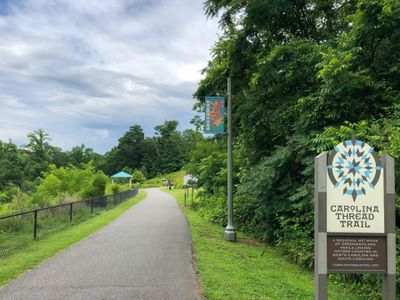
(247, 269)
(176, 178)
(37, 251)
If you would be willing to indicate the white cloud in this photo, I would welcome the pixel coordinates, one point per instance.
(87, 70)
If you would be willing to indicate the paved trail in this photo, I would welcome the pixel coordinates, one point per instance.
(144, 254)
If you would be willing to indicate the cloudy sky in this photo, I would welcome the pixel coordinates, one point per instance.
(85, 70)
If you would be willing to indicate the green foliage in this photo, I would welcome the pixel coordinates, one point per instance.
(166, 152)
(8, 193)
(207, 163)
(153, 182)
(81, 155)
(138, 177)
(40, 174)
(170, 147)
(24, 167)
(19, 201)
(114, 188)
(175, 178)
(306, 75)
(97, 186)
(11, 167)
(58, 183)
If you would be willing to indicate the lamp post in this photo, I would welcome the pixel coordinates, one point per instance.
(230, 233)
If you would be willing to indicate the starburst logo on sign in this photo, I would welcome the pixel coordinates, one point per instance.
(354, 167)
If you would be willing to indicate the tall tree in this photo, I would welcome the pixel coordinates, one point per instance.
(129, 152)
(81, 155)
(11, 167)
(190, 139)
(170, 147)
(150, 157)
(37, 154)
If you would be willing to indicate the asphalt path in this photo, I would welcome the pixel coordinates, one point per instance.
(146, 253)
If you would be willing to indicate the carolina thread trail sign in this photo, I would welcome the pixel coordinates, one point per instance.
(354, 215)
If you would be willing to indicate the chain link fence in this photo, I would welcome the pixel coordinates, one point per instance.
(19, 229)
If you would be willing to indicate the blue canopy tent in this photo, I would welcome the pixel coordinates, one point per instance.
(124, 175)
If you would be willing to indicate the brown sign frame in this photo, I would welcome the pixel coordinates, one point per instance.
(321, 235)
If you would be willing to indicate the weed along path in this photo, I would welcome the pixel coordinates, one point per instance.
(144, 254)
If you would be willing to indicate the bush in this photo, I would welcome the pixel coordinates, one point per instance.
(68, 183)
(114, 188)
(138, 177)
(97, 187)
(8, 193)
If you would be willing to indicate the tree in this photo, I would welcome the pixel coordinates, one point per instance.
(11, 167)
(111, 163)
(129, 152)
(190, 139)
(81, 155)
(150, 157)
(38, 144)
(59, 157)
(170, 147)
(138, 177)
(37, 154)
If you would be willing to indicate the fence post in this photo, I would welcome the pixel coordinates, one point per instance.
(91, 205)
(70, 212)
(105, 202)
(35, 223)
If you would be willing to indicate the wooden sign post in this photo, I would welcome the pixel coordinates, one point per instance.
(354, 216)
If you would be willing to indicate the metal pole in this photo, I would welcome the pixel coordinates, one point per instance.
(70, 212)
(230, 233)
(389, 279)
(320, 231)
(35, 224)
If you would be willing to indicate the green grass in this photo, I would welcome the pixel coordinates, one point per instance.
(176, 178)
(37, 251)
(17, 233)
(247, 269)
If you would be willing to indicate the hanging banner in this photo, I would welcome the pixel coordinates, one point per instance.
(215, 112)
